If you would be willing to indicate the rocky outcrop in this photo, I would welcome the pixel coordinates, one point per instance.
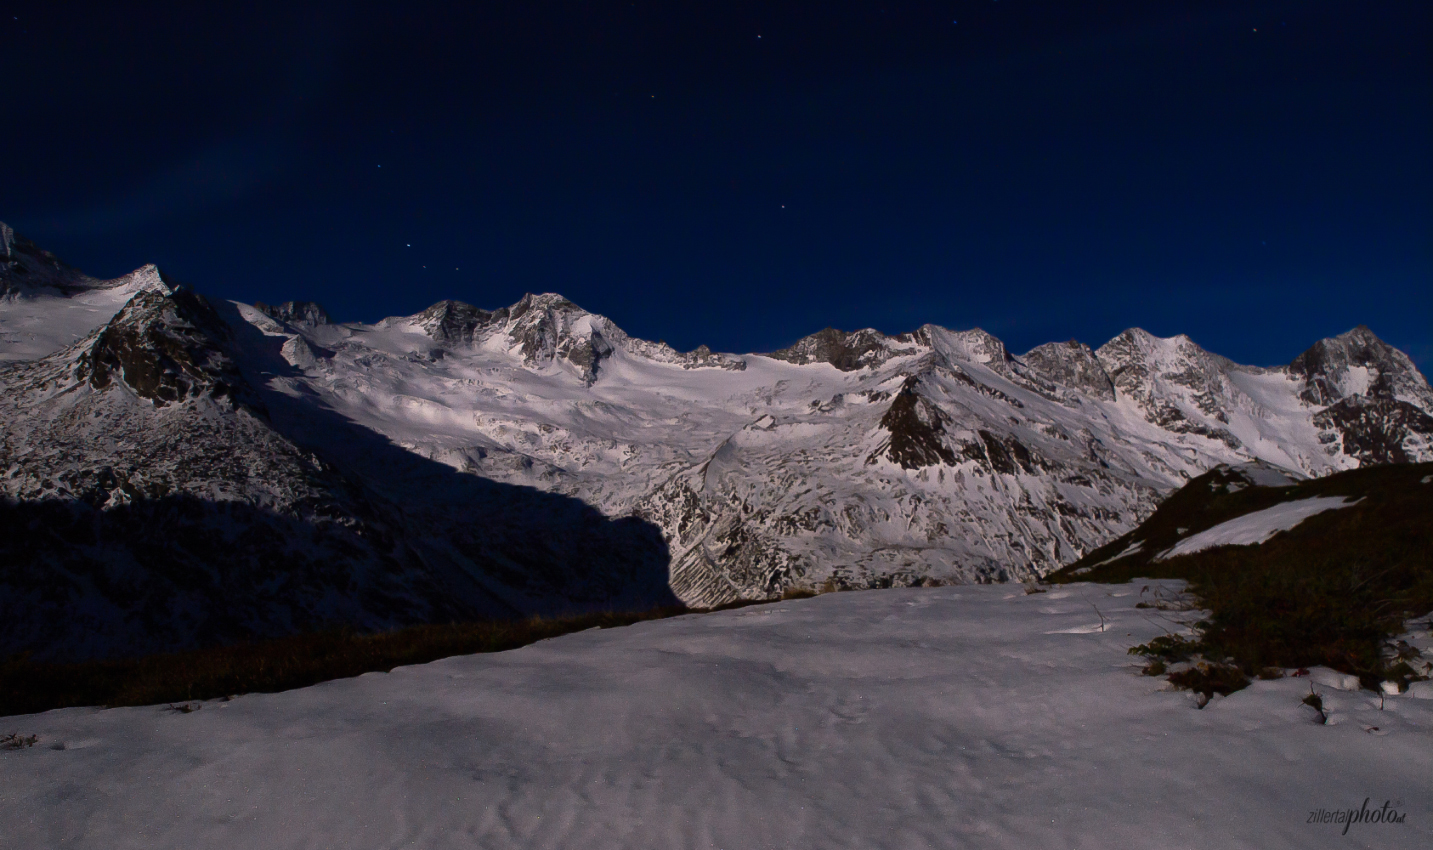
(455, 323)
(535, 456)
(1072, 365)
(1377, 430)
(545, 330)
(847, 351)
(308, 314)
(151, 500)
(917, 431)
(1179, 386)
(1358, 363)
(167, 346)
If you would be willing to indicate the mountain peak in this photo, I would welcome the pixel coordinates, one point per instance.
(1071, 364)
(549, 327)
(1139, 345)
(541, 328)
(454, 322)
(26, 269)
(972, 346)
(1358, 363)
(308, 314)
(543, 301)
(1138, 337)
(847, 351)
(166, 346)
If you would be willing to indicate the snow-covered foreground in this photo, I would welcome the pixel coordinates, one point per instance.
(946, 717)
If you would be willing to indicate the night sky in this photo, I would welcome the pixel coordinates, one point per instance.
(1254, 174)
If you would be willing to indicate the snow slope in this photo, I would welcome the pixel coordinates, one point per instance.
(854, 459)
(1254, 528)
(45, 305)
(905, 719)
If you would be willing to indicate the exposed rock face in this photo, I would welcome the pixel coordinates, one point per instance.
(454, 322)
(700, 357)
(1071, 364)
(846, 351)
(150, 501)
(536, 457)
(546, 330)
(307, 314)
(1378, 403)
(917, 430)
(1359, 363)
(972, 346)
(167, 346)
(1377, 430)
(1167, 378)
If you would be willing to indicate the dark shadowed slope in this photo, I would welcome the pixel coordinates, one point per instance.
(152, 504)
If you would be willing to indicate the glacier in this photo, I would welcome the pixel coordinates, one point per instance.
(535, 458)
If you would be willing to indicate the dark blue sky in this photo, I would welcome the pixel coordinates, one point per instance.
(1254, 174)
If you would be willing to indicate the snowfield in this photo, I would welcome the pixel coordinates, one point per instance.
(973, 716)
(850, 459)
(1255, 528)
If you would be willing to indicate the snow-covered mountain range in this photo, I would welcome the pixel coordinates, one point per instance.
(261, 468)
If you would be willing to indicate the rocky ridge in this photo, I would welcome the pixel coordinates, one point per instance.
(152, 499)
(535, 455)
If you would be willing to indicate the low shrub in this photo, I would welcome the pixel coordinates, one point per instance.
(1332, 591)
(16, 741)
(1209, 679)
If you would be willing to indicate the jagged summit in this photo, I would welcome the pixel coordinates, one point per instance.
(543, 329)
(548, 329)
(971, 346)
(847, 351)
(869, 348)
(46, 305)
(857, 457)
(1357, 362)
(166, 345)
(1071, 364)
(306, 313)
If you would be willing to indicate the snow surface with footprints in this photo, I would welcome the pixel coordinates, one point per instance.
(909, 718)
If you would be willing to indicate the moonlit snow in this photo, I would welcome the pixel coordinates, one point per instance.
(911, 718)
(34, 327)
(1256, 527)
(849, 459)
